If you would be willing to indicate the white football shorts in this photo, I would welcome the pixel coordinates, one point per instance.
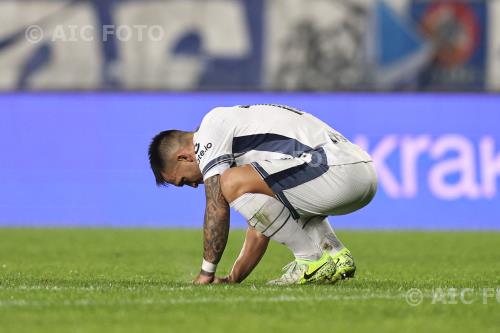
(308, 187)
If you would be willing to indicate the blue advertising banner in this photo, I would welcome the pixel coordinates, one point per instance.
(81, 159)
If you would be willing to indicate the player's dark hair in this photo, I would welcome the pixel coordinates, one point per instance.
(160, 147)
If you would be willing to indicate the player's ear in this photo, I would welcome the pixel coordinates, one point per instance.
(184, 155)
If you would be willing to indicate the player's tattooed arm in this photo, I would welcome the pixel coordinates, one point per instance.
(216, 226)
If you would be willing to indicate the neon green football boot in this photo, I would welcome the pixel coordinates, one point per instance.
(305, 271)
(344, 265)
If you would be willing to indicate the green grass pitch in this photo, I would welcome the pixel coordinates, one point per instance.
(102, 280)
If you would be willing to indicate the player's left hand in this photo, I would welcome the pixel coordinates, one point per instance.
(204, 278)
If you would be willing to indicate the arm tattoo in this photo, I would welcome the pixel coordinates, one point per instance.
(216, 226)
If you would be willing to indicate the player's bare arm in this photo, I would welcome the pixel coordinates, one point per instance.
(215, 227)
(252, 251)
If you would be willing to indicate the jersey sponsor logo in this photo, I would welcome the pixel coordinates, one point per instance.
(200, 153)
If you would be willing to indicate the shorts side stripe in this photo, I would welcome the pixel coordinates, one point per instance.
(274, 233)
(282, 210)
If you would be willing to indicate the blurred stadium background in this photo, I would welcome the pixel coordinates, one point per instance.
(86, 84)
(284, 45)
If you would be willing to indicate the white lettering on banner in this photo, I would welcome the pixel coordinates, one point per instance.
(411, 149)
(490, 166)
(464, 164)
(451, 155)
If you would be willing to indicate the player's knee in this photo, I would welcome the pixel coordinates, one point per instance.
(231, 184)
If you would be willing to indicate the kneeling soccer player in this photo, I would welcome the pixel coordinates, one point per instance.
(285, 171)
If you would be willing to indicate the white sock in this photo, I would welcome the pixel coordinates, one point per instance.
(321, 232)
(273, 220)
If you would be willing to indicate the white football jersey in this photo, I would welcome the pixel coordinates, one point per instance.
(243, 134)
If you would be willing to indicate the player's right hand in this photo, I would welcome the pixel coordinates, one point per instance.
(222, 280)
